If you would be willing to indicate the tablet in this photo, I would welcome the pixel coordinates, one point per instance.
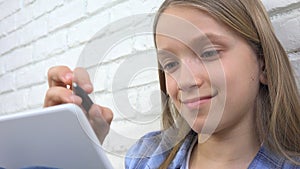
(58, 137)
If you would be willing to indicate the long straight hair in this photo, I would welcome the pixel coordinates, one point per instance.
(277, 105)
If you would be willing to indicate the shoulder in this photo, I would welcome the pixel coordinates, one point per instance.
(290, 165)
(145, 150)
(152, 149)
(266, 158)
(148, 142)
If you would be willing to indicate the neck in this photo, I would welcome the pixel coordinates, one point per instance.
(234, 148)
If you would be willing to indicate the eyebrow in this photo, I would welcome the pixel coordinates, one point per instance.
(163, 53)
(197, 41)
(209, 37)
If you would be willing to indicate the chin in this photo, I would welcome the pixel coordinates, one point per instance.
(201, 127)
(196, 126)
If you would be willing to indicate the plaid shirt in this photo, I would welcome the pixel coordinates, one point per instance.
(152, 149)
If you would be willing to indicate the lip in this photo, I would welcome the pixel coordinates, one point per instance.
(197, 102)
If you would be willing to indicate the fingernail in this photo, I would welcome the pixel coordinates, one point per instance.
(88, 87)
(69, 76)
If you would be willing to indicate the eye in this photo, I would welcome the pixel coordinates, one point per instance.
(210, 53)
(170, 66)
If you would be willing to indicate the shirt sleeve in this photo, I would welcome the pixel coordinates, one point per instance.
(146, 150)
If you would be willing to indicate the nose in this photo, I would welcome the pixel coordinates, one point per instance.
(191, 74)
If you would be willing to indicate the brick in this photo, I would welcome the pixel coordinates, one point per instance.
(37, 29)
(9, 42)
(94, 53)
(273, 4)
(121, 10)
(50, 45)
(69, 58)
(24, 16)
(284, 27)
(120, 107)
(142, 69)
(115, 49)
(7, 25)
(295, 63)
(107, 76)
(144, 41)
(57, 42)
(7, 82)
(101, 79)
(18, 58)
(41, 7)
(137, 69)
(2, 65)
(294, 56)
(14, 101)
(66, 14)
(87, 29)
(143, 77)
(131, 103)
(28, 2)
(49, 62)
(36, 95)
(133, 7)
(95, 5)
(117, 42)
(41, 49)
(8, 8)
(144, 6)
(145, 100)
(31, 75)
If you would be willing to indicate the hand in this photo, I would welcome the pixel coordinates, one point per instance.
(60, 80)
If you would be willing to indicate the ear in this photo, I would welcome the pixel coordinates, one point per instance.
(263, 78)
(263, 74)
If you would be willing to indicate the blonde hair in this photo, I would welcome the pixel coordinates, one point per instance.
(277, 104)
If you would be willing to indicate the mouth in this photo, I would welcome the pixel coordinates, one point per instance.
(197, 102)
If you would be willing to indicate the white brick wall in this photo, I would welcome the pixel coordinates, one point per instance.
(38, 34)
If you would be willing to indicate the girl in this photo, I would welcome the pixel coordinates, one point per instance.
(232, 100)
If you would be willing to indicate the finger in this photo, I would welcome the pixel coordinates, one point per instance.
(107, 114)
(100, 119)
(99, 112)
(82, 78)
(60, 76)
(59, 95)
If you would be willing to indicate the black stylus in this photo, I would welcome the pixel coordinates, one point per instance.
(86, 100)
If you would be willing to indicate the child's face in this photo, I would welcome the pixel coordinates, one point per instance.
(212, 74)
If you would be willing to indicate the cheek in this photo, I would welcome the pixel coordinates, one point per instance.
(241, 88)
(172, 88)
(244, 78)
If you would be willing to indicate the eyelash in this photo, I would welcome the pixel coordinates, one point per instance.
(206, 55)
(169, 66)
(210, 53)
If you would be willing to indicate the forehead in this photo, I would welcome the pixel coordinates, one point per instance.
(184, 23)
